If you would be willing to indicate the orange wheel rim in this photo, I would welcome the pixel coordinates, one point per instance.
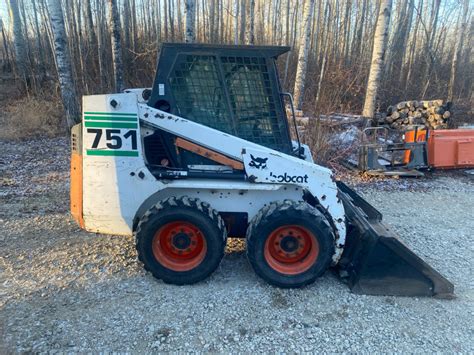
(291, 249)
(179, 246)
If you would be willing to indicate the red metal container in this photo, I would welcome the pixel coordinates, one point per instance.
(451, 148)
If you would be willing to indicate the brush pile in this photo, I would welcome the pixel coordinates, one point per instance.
(431, 114)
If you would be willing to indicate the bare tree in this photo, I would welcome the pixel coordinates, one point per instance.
(325, 57)
(19, 43)
(236, 22)
(189, 9)
(126, 24)
(5, 42)
(421, 58)
(243, 20)
(461, 28)
(179, 18)
(394, 57)
(303, 55)
(165, 10)
(222, 21)
(251, 26)
(171, 19)
(114, 26)
(378, 54)
(133, 21)
(360, 20)
(64, 69)
(38, 36)
(212, 21)
(429, 41)
(92, 38)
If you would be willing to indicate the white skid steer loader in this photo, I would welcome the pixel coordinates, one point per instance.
(206, 154)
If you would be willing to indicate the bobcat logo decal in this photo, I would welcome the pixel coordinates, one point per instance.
(259, 163)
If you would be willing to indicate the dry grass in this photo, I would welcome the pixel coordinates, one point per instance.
(330, 144)
(31, 117)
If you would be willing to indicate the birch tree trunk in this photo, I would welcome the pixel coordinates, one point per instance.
(38, 38)
(221, 38)
(29, 60)
(406, 56)
(212, 21)
(378, 54)
(251, 27)
(413, 48)
(80, 47)
(104, 82)
(430, 36)
(236, 23)
(202, 25)
(295, 26)
(189, 9)
(461, 28)
(287, 23)
(243, 21)
(134, 26)
(126, 26)
(394, 55)
(114, 28)
(90, 24)
(5, 42)
(303, 54)
(180, 20)
(66, 82)
(171, 19)
(357, 40)
(19, 44)
(91, 44)
(158, 22)
(325, 58)
(165, 10)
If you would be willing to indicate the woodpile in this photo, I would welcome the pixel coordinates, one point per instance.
(431, 114)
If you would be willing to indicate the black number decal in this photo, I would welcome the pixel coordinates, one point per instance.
(113, 138)
(133, 135)
(112, 135)
(98, 135)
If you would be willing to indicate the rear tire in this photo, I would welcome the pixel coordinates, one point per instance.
(290, 244)
(181, 240)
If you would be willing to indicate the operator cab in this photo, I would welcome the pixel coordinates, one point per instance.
(234, 89)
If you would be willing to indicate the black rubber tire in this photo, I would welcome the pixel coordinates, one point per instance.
(192, 210)
(283, 213)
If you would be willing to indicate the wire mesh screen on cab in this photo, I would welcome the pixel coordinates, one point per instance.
(230, 93)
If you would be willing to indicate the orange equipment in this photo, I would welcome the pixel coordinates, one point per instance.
(451, 148)
(410, 138)
(76, 176)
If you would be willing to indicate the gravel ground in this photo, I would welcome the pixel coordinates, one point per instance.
(62, 289)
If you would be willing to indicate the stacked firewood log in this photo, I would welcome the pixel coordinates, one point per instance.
(431, 114)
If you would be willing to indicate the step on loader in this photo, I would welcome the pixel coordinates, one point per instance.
(206, 153)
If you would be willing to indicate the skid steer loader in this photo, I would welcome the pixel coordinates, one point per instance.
(206, 154)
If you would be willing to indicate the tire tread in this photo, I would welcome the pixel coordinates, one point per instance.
(275, 210)
(173, 202)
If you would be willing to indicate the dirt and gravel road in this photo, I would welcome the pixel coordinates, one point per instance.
(62, 289)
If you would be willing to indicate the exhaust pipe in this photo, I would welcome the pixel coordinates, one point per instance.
(376, 262)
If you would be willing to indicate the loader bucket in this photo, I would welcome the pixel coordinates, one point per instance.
(376, 262)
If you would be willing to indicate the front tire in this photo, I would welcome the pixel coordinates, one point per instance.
(290, 244)
(181, 240)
